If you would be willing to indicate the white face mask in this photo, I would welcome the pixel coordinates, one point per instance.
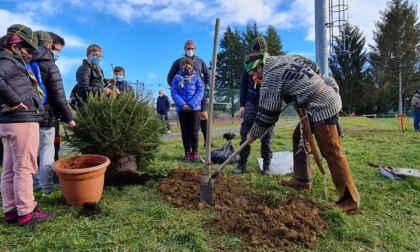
(189, 53)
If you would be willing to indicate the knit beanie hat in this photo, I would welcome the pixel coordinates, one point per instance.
(43, 36)
(24, 33)
(258, 45)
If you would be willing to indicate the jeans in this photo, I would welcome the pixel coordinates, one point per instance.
(43, 179)
(416, 114)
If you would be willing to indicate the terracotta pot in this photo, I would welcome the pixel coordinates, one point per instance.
(81, 177)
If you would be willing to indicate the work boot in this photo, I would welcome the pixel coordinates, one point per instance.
(348, 206)
(241, 168)
(296, 183)
(266, 167)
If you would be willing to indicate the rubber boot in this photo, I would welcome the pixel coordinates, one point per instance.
(266, 167)
(241, 168)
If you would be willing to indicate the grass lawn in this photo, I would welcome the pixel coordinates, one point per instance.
(137, 218)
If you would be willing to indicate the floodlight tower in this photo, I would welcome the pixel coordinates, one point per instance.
(338, 16)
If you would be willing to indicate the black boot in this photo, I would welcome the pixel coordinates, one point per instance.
(266, 167)
(241, 168)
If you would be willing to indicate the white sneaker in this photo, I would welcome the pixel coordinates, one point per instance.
(169, 132)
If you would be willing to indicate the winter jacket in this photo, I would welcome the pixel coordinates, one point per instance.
(57, 104)
(415, 101)
(90, 79)
(293, 77)
(199, 67)
(15, 87)
(250, 92)
(187, 89)
(162, 104)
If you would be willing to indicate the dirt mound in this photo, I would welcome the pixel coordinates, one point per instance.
(240, 211)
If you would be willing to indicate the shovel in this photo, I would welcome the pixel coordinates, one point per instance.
(206, 182)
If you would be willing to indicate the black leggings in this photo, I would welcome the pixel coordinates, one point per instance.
(190, 123)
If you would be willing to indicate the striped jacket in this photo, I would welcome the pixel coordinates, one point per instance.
(297, 78)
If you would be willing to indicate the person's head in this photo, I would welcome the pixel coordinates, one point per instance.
(417, 91)
(119, 73)
(254, 64)
(187, 65)
(94, 54)
(21, 40)
(160, 93)
(44, 39)
(259, 45)
(58, 44)
(189, 48)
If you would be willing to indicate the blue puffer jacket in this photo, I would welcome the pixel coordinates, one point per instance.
(15, 87)
(187, 89)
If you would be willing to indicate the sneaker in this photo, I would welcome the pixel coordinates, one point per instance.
(11, 217)
(52, 194)
(187, 157)
(169, 132)
(296, 183)
(35, 217)
(195, 157)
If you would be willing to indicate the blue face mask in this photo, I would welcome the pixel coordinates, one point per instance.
(94, 60)
(118, 78)
(56, 55)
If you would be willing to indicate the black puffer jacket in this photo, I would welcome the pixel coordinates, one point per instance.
(57, 105)
(90, 79)
(15, 87)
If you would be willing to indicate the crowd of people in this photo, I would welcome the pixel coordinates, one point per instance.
(33, 103)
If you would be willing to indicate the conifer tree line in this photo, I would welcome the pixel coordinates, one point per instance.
(373, 78)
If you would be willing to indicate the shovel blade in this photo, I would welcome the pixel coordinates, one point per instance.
(206, 190)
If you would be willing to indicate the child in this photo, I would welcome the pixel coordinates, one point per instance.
(118, 82)
(187, 92)
(21, 112)
(89, 77)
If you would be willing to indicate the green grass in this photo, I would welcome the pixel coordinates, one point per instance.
(136, 218)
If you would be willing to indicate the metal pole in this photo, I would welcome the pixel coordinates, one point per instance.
(320, 36)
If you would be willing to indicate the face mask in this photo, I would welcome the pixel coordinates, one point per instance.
(94, 60)
(186, 70)
(118, 78)
(26, 57)
(160, 95)
(56, 55)
(189, 53)
(256, 79)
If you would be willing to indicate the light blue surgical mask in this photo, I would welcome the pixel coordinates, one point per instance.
(118, 78)
(94, 59)
(189, 53)
(56, 55)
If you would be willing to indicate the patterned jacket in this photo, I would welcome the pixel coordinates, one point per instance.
(293, 77)
(199, 66)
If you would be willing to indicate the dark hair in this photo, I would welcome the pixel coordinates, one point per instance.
(417, 91)
(3, 41)
(186, 60)
(118, 69)
(57, 39)
(253, 56)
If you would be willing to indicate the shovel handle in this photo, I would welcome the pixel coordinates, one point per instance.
(222, 166)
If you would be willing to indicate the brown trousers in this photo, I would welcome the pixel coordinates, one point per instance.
(328, 141)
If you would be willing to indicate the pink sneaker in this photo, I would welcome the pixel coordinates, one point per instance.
(187, 157)
(195, 156)
(35, 217)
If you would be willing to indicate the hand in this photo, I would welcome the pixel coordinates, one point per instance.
(71, 124)
(108, 91)
(242, 112)
(8, 108)
(250, 139)
(110, 81)
(117, 91)
(186, 107)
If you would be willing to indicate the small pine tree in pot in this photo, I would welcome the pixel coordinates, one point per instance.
(124, 128)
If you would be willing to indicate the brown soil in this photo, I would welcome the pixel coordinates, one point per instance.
(90, 209)
(244, 213)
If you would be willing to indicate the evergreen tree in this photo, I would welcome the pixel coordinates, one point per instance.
(351, 72)
(394, 56)
(251, 32)
(230, 62)
(274, 44)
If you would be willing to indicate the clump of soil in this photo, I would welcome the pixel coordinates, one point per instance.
(90, 209)
(243, 212)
